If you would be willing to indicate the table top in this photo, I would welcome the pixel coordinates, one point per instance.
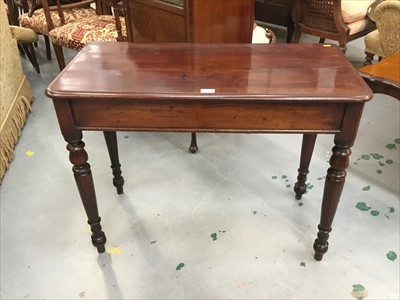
(388, 68)
(310, 72)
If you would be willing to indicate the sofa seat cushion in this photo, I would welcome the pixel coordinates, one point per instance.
(355, 10)
(360, 25)
(76, 35)
(38, 20)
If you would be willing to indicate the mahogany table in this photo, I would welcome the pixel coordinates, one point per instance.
(384, 76)
(241, 88)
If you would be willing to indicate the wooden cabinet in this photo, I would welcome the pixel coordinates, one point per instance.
(196, 21)
(277, 12)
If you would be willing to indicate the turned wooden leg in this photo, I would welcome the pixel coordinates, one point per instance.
(307, 149)
(368, 58)
(343, 47)
(321, 40)
(193, 143)
(84, 181)
(334, 183)
(112, 146)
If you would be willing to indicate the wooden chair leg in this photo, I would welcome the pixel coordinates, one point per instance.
(321, 40)
(193, 143)
(60, 56)
(296, 36)
(47, 43)
(30, 52)
(368, 58)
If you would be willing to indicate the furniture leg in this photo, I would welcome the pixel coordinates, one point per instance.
(60, 56)
(112, 146)
(30, 52)
(368, 59)
(47, 43)
(307, 149)
(84, 181)
(193, 143)
(335, 177)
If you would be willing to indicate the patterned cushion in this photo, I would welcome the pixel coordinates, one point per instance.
(76, 35)
(38, 20)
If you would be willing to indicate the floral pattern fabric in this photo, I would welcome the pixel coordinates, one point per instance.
(76, 35)
(38, 20)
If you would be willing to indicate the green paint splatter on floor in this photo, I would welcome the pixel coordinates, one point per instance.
(379, 171)
(366, 188)
(391, 209)
(365, 156)
(274, 177)
(391, 255)
(320, 178)
(254, 212)
(126, 136)
(309, 186)
(374, 213)
(397, 141)
(214, 236)
(376, 156)
(300, 204)
(381, 164)
(391, 146)
(180, 266)
(153, 242)
(359, 292)
(302, 264)
(362, 206)
(284, 176)
(288, 185)
(389, 161)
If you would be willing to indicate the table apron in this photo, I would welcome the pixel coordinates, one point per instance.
(207, 115)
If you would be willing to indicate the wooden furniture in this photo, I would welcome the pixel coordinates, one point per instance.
(384, 76)
(339, 20)
(193, 20)
(278, 12)
(96, 27)
(110, 87)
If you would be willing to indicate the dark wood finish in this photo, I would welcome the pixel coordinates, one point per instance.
(384, 76)
(110, 86)
(158, 21)
(220, 21)
(278, 12)
(196, 21)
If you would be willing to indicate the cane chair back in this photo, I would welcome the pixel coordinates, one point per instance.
(338, 20)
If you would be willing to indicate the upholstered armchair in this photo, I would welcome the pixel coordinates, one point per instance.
(339, 20)
(385, 39)
(16, 93)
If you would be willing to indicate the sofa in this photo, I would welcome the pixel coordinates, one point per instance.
(385, 39)
(16, 93)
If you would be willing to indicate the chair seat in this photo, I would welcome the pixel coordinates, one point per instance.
(38, 20)
(76, 35)
(353, 11)
(360, 26)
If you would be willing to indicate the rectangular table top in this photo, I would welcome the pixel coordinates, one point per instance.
(310, 72)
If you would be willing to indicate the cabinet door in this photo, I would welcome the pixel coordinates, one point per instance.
(219, 21)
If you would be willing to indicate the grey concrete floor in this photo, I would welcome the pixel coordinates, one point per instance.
(227, 213)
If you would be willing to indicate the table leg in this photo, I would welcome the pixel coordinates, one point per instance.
(307, 149)
(336, 175)
(193, 143)
(112, 146)
(84, 181)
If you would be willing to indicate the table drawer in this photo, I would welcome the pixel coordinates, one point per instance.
(207, 116)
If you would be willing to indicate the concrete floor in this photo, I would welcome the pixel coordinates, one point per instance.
(227, 213)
